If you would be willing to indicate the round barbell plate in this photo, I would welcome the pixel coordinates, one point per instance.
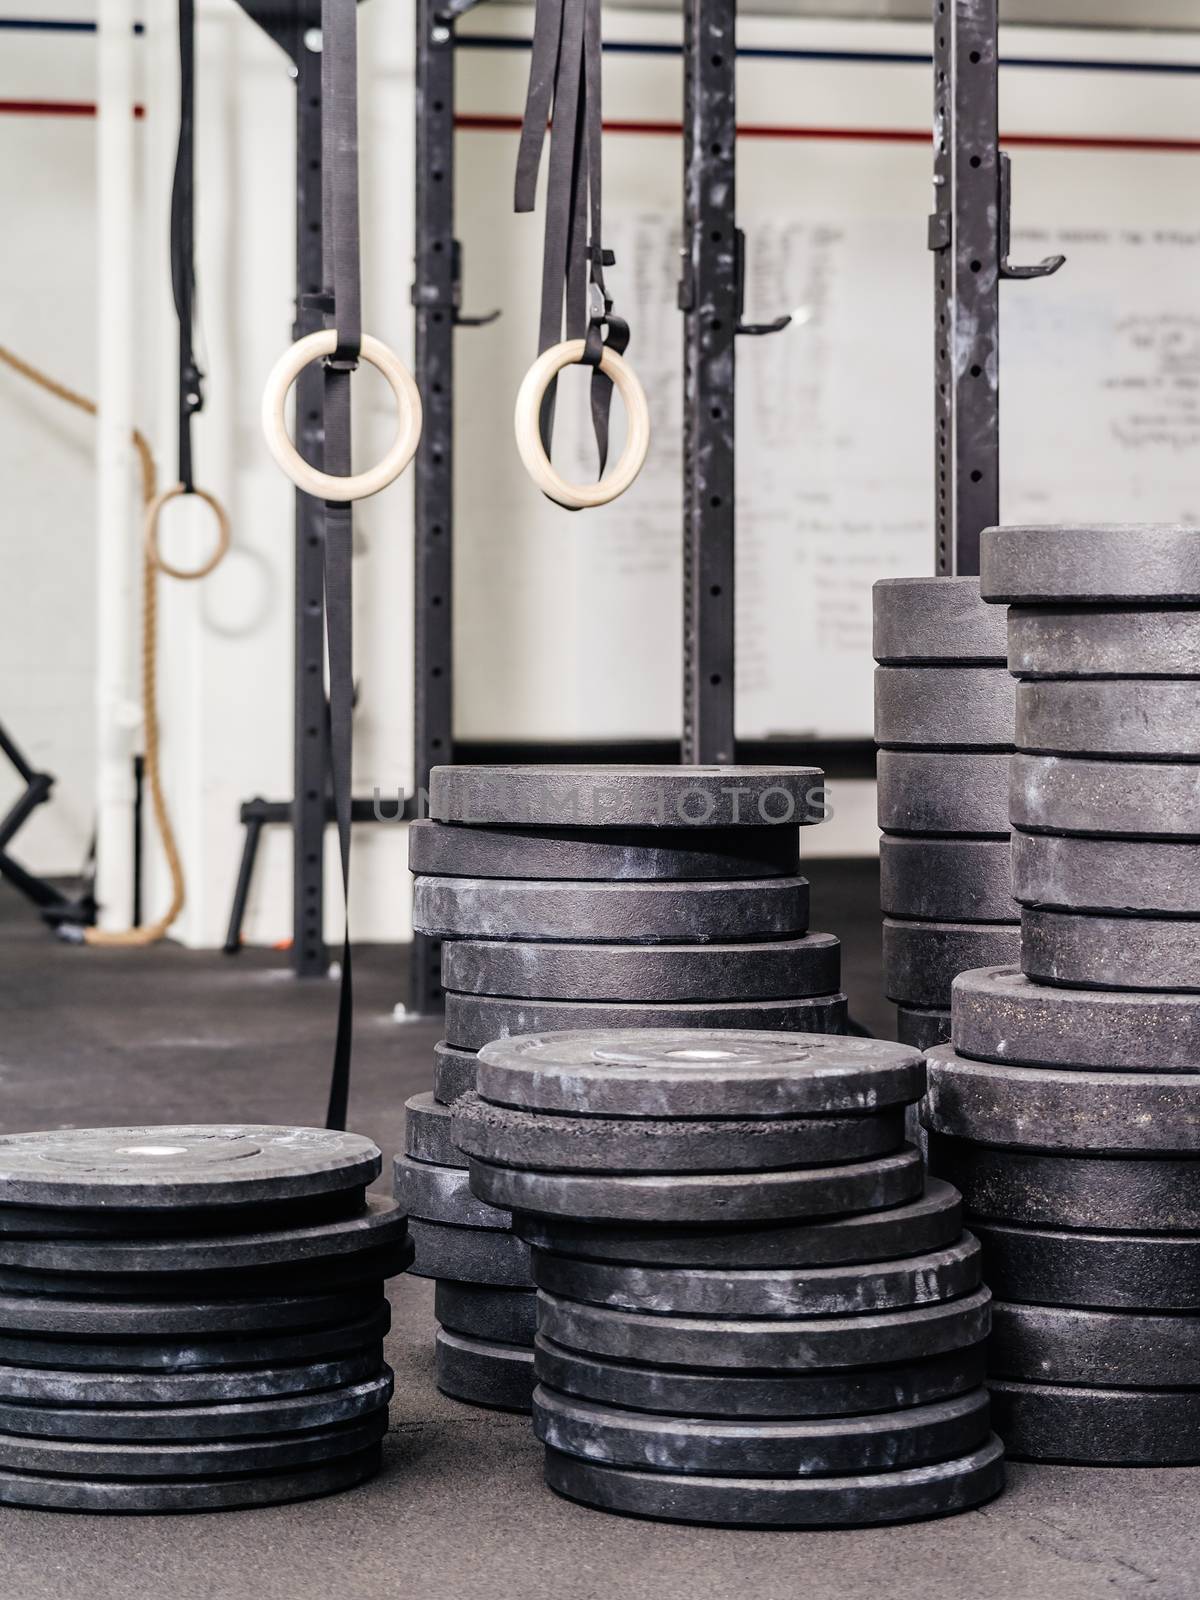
(705, 1196)
(944, 708)
(609, 855)
(636, 913)
(922, 959)
(1113, 875)
(1050, 1108)
(660, 974)
(481, 1312)
(178, 1222)
(174, 1424)
(70, 1318)
(169, 1167)
(470, 1255)
(780, 1292)
(1128, 717)
(1120, 1271)
(926, 620)
(946, 880)
(453, 1072)
(942, 792)
(46, 1388)
(442, 1194)
(804, 1447)
(565, 1143)
(427, 1132)
(561, 796)
(931, 1222)
(1111, 1349)
(484, 1372)
(922, 1028)
(1097, 642)
(1120, 562)
(1105, 1193)
(1098, 1427)
(1121, 799)
(759, 1394)
(714, 1072)
(1001, 1015)
(865, 1500)
(197, 1494)
(474, 1021)
(1105, 952)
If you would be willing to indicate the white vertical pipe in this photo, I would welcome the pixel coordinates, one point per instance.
(117, 708)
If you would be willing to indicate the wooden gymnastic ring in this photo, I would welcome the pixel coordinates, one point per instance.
(150, 532)
(326, 485)
(578, 497)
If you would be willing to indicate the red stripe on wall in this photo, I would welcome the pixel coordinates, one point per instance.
(54, 108)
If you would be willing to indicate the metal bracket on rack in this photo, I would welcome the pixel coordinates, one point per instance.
(1040, 269)
(755, 330)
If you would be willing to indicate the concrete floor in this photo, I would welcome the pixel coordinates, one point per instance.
(94, 1037)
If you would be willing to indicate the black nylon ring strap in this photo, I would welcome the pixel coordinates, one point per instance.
(183, 247)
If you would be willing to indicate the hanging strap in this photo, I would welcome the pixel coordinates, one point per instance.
(564, 90)
(343, 305)
(183, 248)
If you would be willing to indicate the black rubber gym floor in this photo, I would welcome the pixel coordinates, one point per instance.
(89, 1037)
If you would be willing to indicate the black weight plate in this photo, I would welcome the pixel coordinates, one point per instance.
(922, 959)
(705, 1196)
(470, 1255)
(1000, 1015)
(942, 792)
(141, 1425)
(864, 1500)
(935, 620)
(1118, 799)
(804, 1447)
(758, 1394)
(1103, 642)
(692, 1073)
(1113, 1271)
(775, 969)
(1117, 561)
(1098, 1427)
(1111, 875)
(443, 1194)
(184, 1355)
(177, 1222)
(1051, 1108)
(70, 1318)
(166, 1167)
(648, 913)
(453, 1072)
(946, 880)
(427, 1132)
(1132, 717)
(1115, 1194)
(481, 1312)
(1111, 1349)
(608, 855)
(474, 1020)
(944, 708)
(922, 1028)
(565, 1143)
(627, 797)
(931, 1222)
(483, 1372)
(884, 1338)
(222, 1386)
(1094, 952)
(765, 1292)
(192, 1494)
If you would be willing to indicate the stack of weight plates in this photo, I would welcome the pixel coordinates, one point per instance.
(750, 1308)
(944, 726)
(594, 896)
(191, 1318)
(1069, 1109)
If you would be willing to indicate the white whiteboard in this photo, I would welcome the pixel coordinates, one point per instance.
(569, 626)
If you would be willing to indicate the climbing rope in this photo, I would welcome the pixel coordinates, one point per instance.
(152, 565)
